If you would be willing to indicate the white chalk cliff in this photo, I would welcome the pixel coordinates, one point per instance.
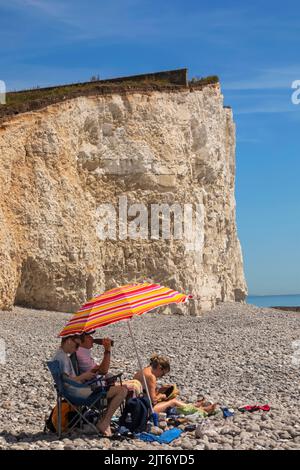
(60, 164)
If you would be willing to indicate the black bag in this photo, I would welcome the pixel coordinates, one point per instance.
(49, 426)
(136, 414)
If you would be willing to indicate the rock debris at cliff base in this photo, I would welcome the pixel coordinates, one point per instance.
(236, 355)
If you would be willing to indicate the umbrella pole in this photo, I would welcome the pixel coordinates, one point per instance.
(140, 365)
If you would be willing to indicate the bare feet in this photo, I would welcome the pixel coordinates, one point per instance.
(210, 409)
(202, 402)
(104, 429)
(206, 405)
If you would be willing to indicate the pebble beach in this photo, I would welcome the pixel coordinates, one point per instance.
(234, 355)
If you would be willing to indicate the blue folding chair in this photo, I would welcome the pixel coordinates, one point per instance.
(82, 406)
(108, 379)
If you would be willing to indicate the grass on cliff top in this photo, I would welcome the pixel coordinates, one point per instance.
(21, 97)
(64, 91)
(36, 98)
(202, 81)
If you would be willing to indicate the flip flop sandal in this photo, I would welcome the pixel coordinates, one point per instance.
(249, 408)
(171, 421)
(181, 421)
(117, 436)
(264, 408)
(128, 435)
(190, 427)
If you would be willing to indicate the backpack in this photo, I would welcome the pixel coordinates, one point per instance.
(67, 414)
(136, 414)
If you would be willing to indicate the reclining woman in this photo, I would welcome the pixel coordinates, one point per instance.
(158, 367)
(116, 394)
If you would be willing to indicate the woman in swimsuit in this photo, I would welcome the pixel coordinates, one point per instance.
(158, 367)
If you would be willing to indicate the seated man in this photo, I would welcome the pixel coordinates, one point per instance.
(87, 364)
(115, 395)
(84, 358)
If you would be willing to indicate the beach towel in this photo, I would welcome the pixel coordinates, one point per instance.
(187, 410)
(165, 438)
(190, 410)
(252, 408)
(195, 417)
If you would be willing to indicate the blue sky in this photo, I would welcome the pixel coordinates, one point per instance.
(254, 49)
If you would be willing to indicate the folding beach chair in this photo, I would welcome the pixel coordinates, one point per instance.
(81, 406)
(107, 380)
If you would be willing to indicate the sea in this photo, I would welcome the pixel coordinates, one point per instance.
(274, 300)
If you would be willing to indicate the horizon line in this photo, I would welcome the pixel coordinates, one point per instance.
(272, 295)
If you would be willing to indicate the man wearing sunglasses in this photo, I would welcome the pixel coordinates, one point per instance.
(115, 395)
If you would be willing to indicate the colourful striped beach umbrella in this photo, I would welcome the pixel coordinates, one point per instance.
(120, 303)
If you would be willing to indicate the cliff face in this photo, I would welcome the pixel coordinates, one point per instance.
(62, 165)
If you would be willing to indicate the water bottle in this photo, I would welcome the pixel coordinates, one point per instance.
(154, 417)
(128, 421)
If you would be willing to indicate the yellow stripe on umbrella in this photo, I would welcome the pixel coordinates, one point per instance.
(120, 303)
